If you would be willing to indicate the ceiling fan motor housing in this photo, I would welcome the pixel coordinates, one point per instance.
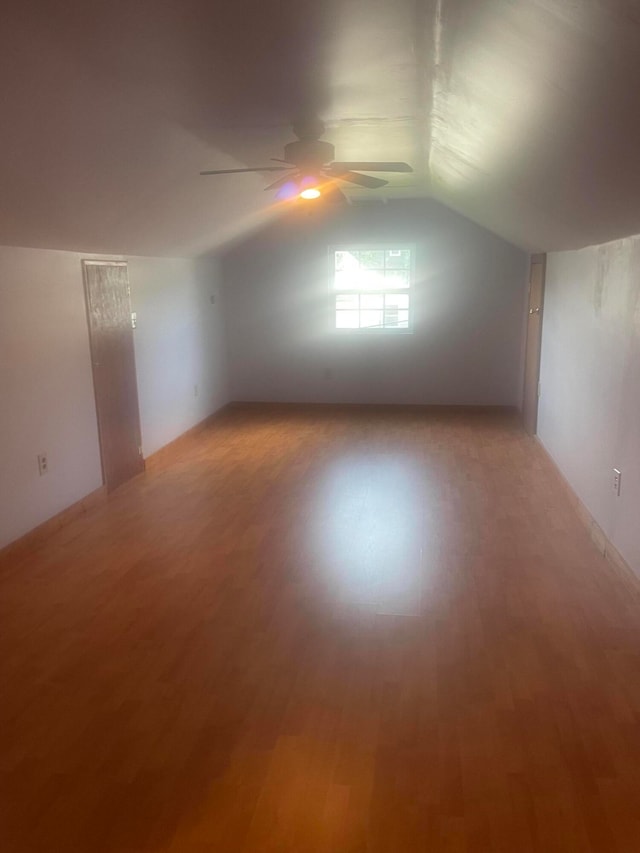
(310, 154)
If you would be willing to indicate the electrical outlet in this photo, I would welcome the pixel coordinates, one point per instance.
(213, 298)
(43, 464)
(327, 373)
(617, 477)
(196, 391)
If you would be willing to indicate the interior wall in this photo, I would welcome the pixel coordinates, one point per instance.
(180, 345)
(589, 416)
(468, 307)
(46, 384)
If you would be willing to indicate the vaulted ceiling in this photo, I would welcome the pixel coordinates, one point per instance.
(524, 115)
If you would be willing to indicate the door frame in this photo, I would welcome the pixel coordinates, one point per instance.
(538, 259)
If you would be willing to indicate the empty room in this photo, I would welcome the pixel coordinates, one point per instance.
(320, 426)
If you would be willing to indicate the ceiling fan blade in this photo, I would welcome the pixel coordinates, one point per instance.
(356, 178)
(335, 195)
(281, 182)
(280, 160)
(254, 169)
(369, 166)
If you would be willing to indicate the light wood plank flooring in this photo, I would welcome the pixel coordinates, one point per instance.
(324, 630)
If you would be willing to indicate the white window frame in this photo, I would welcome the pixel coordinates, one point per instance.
(409, 291)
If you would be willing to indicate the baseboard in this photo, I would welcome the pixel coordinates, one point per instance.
(38, 535)
(599, 538)
(435, 408)
(167, 455)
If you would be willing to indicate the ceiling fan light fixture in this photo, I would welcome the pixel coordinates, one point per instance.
(310, 193)
(309, 187)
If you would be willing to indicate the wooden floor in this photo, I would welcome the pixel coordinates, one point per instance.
(324, 630)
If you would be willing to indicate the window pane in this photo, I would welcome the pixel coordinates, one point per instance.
(371, 300)
(396, 300)
(371, 280)
(397, 278)
(347, 320)
(394, 319)
(372, 259)
(371, 319)
(347, 301)
(360, 280)
(398, 259)
(347, 260)
(403, 319)
(346, 280)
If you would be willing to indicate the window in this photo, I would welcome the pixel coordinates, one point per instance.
(370, 288)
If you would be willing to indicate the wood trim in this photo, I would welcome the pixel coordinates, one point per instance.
(240, 405)
(599, 538)
(38, 535)
(533, 342)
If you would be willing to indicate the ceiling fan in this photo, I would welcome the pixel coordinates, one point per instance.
(312, 172)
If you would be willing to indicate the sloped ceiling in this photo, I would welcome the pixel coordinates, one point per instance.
(524, 115)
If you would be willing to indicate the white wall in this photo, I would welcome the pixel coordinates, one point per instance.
(179, 345)
(46, 388)
(589, 417)
(468, 307)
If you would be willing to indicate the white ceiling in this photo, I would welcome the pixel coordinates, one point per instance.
(524, 115)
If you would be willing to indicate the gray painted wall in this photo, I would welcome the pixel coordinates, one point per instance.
(46, 385)
(589, 417)
(469, 301)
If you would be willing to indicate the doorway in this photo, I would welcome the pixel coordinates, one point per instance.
(534, 343)
(109, 316)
